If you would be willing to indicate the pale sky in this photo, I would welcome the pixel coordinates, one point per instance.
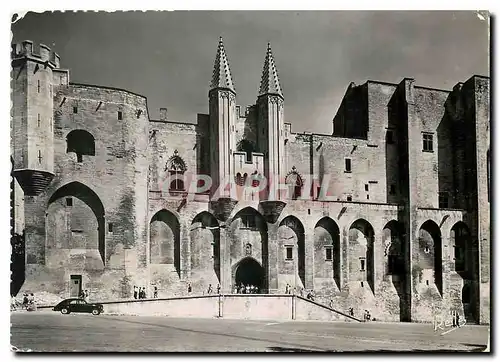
(168, 56)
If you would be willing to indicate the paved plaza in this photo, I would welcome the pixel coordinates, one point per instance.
(51, 331)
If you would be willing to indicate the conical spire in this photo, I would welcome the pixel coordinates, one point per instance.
(269, 83)
(222, 75)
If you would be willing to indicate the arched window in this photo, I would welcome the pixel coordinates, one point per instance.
(176, 167)
(80, 142)
(295, 183)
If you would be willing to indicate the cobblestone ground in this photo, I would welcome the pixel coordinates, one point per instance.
(51, 331)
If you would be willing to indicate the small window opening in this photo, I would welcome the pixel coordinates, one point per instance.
(362, 266)
(69, 201)
(120, 115)
(110, 227)
(349, 198)
(75, 109)
(348, 165)
(289, 252)
(328, 254)
(366, 187)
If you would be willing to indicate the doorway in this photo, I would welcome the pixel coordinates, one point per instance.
(250, 272)
(75, 287)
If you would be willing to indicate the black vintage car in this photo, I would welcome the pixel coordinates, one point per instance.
(78, 305)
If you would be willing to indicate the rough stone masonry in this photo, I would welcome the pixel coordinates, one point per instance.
(388, 212)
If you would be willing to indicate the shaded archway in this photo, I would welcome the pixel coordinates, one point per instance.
(250, 272)
(464, 257)
(81, 143)
(394, 263)
(462, 250)
(327, 254)
(361, 253)
(248, 238)
(291, 235)
(164, 239)
(75, 220)
(429, 260)
(205, 243)
(294, 183)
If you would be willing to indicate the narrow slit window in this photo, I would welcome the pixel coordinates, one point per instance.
(75, 109)
(38, 120)
(366, 187)
(110, 227)
(362, 265)
(328, 253)
(120, 115)
(348, 165)
(289, 253)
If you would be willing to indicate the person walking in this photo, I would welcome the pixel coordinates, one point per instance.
(81, 295)
(331, 304)
(190, 289)
(286, 288)
(218, 288)
(209, 291)
(155, 293)
(86, 295)
(136, 292)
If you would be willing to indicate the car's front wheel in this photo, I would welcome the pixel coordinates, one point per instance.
(65, 311)
(96, 311)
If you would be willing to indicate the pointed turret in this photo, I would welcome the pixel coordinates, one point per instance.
(222, 115)
(222, 74)
(269, 83)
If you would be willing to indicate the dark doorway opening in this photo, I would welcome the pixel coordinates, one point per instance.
(250, 272)
(76, 286)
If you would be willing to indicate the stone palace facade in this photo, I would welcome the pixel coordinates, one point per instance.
(389, 212)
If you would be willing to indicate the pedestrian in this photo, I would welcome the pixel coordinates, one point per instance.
(286, 288)
(155, 293)
(351, 312)
(25, 300)
(144, 293)
(247, 289)
(190, 289)
(86, 295)
(81, 295)
(209, 291)
(331, 303)
(235, 289)
(458, 320)
(218, 288)
(141, 292)
(135, 292)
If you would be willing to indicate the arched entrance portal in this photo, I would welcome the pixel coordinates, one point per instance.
(250, 272)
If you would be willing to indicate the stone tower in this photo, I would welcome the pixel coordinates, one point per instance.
(32, 136)
(222, 109)
(270, 138)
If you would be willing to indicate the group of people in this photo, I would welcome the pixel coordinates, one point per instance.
(140, 292)
(246, 289)
(29, 302)
(210, 290)
(84, 294)
(366, 315)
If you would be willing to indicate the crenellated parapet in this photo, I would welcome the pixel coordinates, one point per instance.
(44, 54)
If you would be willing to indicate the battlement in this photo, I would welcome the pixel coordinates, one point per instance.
(26, 49)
